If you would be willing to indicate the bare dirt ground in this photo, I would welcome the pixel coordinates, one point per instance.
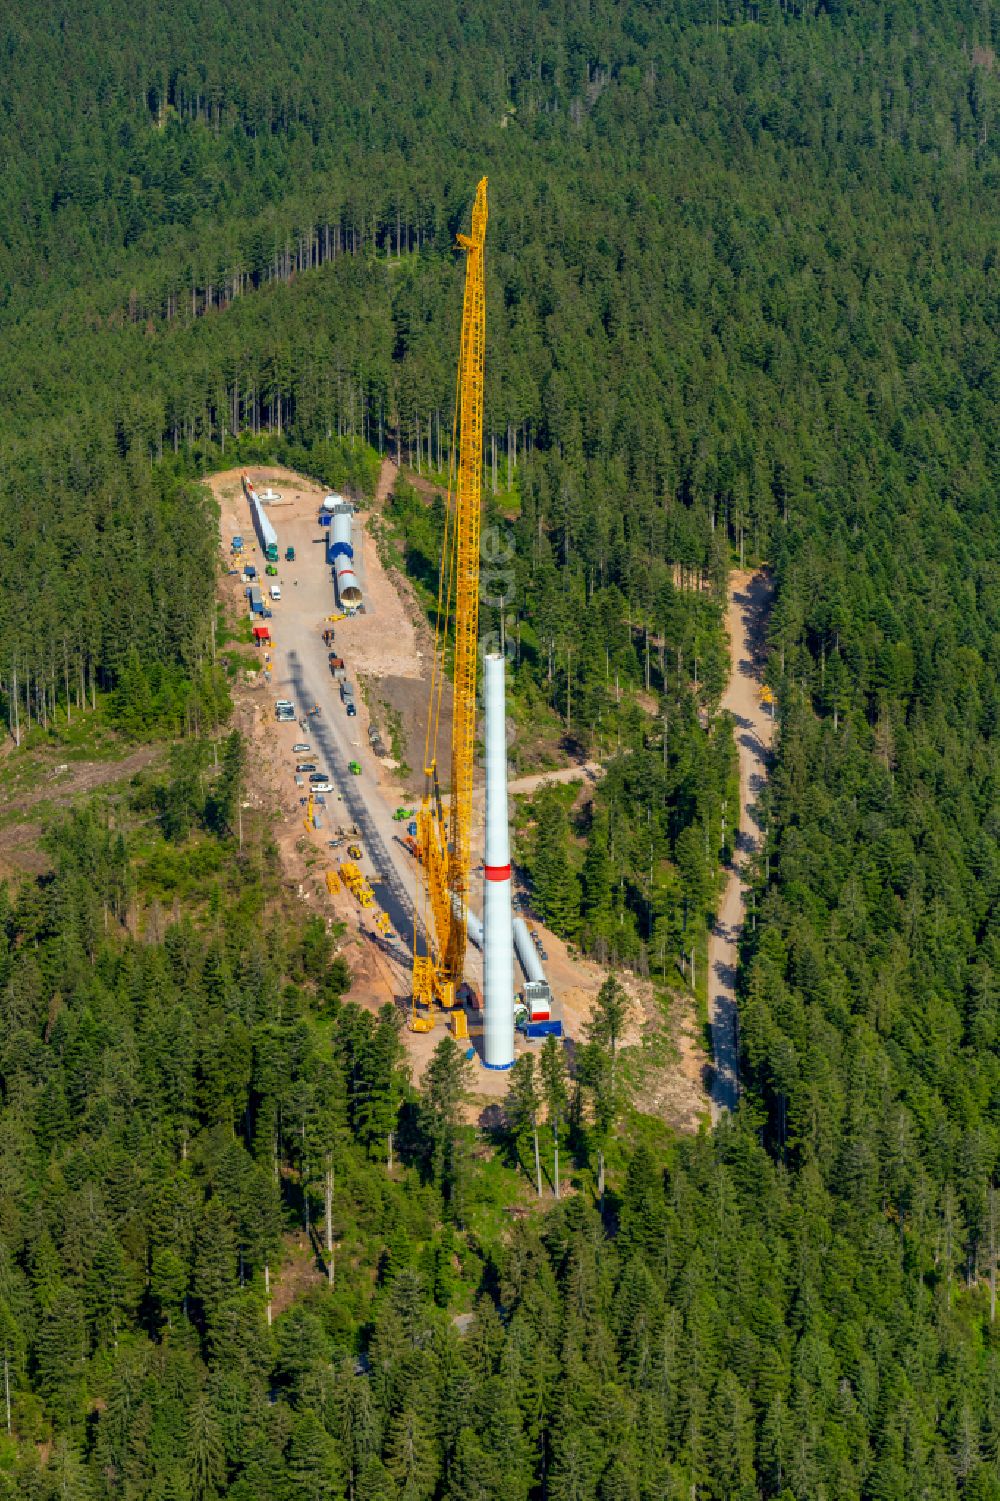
(749, 599)
(298, 1273)
(387, 650)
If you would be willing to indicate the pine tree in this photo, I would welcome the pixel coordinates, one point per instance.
(205, 1452)
(555, 885)
(410, 1457)
(556, 1092)
(381, 1071)
(215, 1263)
(523, 1104)
(446, 1085)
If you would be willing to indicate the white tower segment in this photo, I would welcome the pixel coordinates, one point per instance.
(498, 954)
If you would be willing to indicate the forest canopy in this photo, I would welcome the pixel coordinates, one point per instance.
(743, 299)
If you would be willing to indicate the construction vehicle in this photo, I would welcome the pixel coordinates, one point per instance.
(356, 884)
(383, 924)
(310, 810)
(443, 839)
(354, 851)
(332, 882)
(289, 554)
(354, 767)
(402, 813)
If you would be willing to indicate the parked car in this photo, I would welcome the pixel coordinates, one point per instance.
(322, 786)
(306, 766)
(352, 712)
(300, 748)
(318, 776)
(275, 591)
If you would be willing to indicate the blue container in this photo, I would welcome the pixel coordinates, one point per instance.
(543, 1029)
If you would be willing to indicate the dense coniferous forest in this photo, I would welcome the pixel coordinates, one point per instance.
(744, 287)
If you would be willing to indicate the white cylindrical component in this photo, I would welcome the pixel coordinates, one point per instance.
(498, 953)
(331, 502)
(526, 952)
(341, 555)
(473, 924)
(348, 588)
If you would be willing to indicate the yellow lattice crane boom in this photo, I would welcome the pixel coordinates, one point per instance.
(443, 843)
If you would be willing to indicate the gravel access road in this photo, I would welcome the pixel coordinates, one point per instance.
(749, 600)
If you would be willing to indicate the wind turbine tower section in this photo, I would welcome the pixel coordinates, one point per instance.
(498, 952)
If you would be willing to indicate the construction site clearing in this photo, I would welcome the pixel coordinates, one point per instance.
(389, 640)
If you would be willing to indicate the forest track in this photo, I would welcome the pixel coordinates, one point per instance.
(579, 771)
(749, 601)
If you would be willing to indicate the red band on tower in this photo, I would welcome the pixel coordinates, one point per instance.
(497, 872)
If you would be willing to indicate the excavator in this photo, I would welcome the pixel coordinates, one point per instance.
(442, 838)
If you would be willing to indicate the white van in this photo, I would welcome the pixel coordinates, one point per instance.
(275, 591)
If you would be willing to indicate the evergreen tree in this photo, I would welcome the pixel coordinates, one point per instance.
(556, 1092)
(523, 1105)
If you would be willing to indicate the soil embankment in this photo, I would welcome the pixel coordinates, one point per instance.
(749, 600)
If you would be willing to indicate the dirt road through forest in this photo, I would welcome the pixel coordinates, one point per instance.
(749, 599)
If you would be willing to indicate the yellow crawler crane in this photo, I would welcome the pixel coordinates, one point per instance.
(443, 843)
